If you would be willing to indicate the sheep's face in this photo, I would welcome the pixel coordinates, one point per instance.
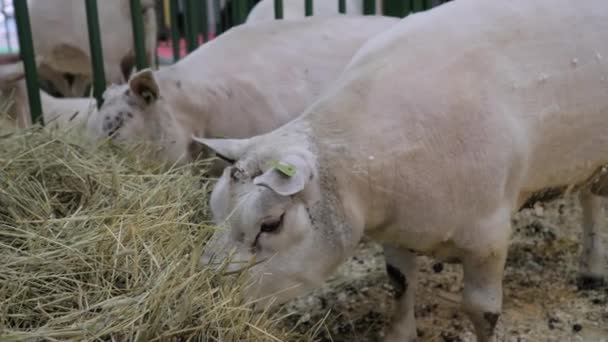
(276, 231)
(136, 113)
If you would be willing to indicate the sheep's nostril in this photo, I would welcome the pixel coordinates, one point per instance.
(112, 126)
(107, 125)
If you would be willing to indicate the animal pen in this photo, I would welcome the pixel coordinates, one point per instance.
(194, 17)
(98, 244)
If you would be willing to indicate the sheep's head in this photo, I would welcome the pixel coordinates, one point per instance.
(270, 199)
(136, 112)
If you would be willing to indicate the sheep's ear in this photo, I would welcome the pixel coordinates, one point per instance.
(229, 150)
(286, 177)
(143, 84)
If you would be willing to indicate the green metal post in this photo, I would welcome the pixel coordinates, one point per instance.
(417, 5)
(24, 31)
(397, 8)
(342, 6)
(138, 34)
(308, 8)
(175, 35)
(278, 9)
(204, 21)
(191, 25)
(239, 11)
(235, 12)
(407, 8)
(227, 13)
(244, 10)
(369, 7)
(99, 75)
(218, 17)
(199, 24)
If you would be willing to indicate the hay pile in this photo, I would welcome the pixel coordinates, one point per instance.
(96, 245)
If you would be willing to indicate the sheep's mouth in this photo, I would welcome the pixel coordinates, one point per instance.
(244, 268)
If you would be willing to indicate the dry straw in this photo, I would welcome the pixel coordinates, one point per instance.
(99, 245)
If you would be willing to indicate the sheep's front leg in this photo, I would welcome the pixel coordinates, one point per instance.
(482, 295)
(592, 258)
(483, 268)
(401, 269)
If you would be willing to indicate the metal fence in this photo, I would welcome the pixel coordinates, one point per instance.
(184, 25)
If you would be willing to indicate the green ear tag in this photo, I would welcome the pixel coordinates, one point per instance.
(286, 169)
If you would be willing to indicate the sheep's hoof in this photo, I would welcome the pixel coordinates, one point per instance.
(585, 283)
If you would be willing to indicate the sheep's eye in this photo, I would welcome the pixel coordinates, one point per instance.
(272, 226)
(235, 172)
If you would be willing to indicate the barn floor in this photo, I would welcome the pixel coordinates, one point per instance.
(542, 302)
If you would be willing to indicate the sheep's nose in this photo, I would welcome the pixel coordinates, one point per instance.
(214, 260)
(225, 261)
(112, 125)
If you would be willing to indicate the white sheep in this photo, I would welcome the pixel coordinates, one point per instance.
(439, 130)
(249, 80)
